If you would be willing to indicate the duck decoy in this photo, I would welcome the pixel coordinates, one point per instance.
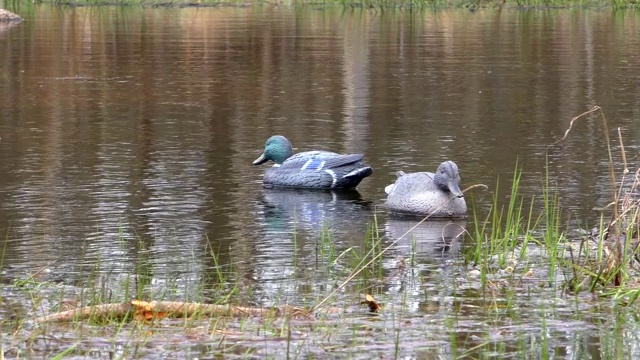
(425, 193)
(310, 169)
(8, 16)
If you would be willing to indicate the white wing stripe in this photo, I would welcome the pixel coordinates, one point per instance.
(333, 174)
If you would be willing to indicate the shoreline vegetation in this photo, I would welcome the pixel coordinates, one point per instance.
(471, 5)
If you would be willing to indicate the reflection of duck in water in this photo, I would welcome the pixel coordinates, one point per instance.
(292, 225)
(436, 237)
(312, 209)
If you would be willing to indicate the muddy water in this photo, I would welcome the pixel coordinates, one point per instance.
(127, 136)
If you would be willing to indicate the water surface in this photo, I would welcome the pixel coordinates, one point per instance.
(127, 136)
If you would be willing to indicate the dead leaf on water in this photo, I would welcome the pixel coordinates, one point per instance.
(529, 273)
(371, 302)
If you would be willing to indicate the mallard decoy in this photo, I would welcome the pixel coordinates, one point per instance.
(310, 169)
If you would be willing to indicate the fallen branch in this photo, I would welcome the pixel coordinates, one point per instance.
(142, 310)
(566, 133)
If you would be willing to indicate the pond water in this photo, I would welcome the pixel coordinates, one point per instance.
(127, 136)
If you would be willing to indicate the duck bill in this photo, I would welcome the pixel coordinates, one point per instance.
(261, 160)
(455, 190)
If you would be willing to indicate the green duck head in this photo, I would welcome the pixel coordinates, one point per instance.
(277, 149)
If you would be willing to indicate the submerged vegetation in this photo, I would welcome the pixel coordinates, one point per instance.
(524, 284)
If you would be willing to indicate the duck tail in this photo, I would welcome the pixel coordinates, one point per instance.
(359, 173)
(389, 188)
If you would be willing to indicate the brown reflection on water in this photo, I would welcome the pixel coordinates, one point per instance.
(123, 127)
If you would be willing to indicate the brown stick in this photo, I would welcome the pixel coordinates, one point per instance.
(566, 133)
(172, 309)
(115, 310)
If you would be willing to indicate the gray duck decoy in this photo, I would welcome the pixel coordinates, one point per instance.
(425, 193)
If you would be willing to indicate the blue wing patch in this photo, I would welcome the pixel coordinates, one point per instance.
(313, 164)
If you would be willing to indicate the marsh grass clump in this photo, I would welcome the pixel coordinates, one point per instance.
(501, 239)
(504, 242)
(606, 258)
